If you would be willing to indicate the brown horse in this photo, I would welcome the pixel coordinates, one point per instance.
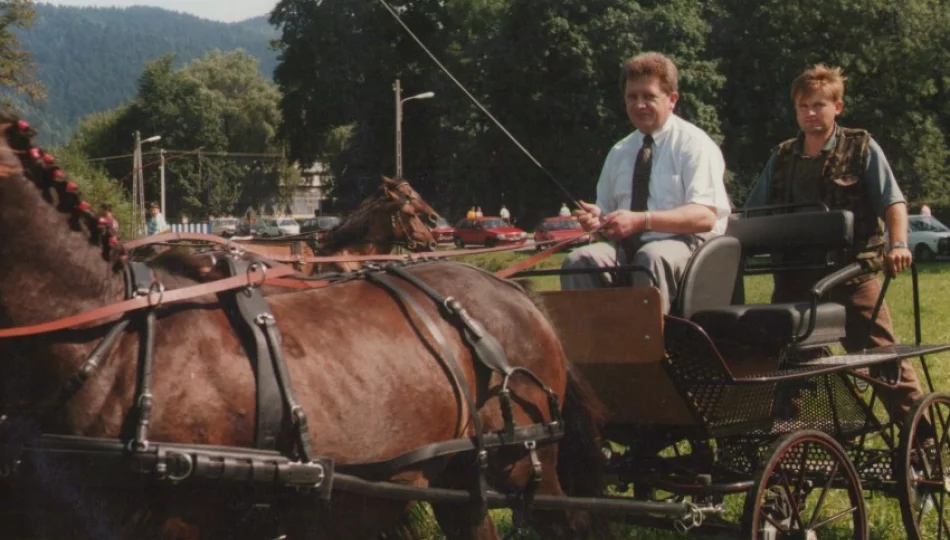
(369, 377)
(394, 216)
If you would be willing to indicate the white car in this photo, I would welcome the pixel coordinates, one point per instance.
(277, 227)
(928, 238)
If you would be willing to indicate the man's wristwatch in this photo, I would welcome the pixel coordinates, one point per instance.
(898, 245)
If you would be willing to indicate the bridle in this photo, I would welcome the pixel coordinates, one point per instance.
(402, 219)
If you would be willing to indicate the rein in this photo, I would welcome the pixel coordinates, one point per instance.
(157, 296)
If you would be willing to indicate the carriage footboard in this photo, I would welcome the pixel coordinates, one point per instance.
(110, 462)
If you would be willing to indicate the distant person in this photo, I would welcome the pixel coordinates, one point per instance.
(478, 212)
(505, 214)
(471, 213)
(565, 211)
(109, 221)
(924, 210)
(156, 223)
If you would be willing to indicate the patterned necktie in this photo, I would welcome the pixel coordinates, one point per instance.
(640, 192)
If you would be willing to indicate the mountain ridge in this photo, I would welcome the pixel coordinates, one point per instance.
(90, 58)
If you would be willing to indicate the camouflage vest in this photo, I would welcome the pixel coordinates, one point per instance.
(841, 187)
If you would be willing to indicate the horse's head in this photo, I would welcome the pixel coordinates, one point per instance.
(406, 223)
(401, 186)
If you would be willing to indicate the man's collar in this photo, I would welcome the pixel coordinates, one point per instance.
(661, 133)
(829, 144)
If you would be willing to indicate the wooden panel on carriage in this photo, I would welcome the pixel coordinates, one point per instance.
(615, 338)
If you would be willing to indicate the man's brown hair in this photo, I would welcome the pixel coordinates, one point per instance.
(817, 78)
(652, 64)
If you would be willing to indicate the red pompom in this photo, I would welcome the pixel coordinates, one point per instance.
(35, 153)
(59, 174)
(103, 222)
(83, 206)
(22, 125)
(72, 187)
(48, 159)
(113, 241)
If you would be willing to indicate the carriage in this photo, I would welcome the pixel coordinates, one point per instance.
(722, 398)
(150, 402)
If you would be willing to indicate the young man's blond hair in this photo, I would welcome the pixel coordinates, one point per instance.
(819, 77)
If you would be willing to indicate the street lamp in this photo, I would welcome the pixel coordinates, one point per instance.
(399, 101)
(138, 184)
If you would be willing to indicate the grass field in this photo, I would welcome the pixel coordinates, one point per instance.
(884, 513)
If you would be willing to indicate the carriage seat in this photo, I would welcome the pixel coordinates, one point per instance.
(710, 292)
(772, 326)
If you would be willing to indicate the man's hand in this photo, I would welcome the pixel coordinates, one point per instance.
(588, 216)
(623, 223)
(897, 260)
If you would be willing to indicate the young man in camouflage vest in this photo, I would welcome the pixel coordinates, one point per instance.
(846, 170)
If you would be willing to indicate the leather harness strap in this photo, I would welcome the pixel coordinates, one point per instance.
(244, 308)
(254, 278)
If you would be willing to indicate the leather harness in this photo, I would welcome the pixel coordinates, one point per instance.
(249, 313)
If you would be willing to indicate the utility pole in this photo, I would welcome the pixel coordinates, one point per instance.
(398, 89)
(161, 158)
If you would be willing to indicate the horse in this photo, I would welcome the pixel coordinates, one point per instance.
(364, 370)
(395, 215)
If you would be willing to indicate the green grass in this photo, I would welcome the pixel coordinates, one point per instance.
(884, 514)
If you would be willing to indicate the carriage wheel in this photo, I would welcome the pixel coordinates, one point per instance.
(923, 468)
(807, 489)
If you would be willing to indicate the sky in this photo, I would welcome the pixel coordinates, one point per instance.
(216, 10)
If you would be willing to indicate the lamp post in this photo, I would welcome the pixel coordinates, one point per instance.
(138, 184)
(399, 101)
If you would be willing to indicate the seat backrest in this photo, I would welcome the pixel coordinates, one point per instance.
(710, 277)
(829, 233)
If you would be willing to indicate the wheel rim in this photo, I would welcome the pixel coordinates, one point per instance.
(806, 490)
(925, 455)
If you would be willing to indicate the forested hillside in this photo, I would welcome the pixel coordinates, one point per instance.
(90, 59)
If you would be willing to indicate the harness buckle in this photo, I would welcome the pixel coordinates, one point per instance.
(156, 288)
(253, 267)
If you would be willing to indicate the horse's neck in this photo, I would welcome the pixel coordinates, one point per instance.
(48, 269)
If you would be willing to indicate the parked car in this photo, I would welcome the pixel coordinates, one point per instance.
(224, 226)
(277, 227)
(487, 231)
(557, 229)
(928, 238)
(443, 232)
(319, 224)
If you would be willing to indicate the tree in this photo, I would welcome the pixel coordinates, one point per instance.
(17, 72)
(221, 112)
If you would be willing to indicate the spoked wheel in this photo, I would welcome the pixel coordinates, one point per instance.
(808, 489)
(923, 468)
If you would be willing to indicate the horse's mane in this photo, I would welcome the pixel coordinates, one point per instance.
(57, 189)
(354, 227)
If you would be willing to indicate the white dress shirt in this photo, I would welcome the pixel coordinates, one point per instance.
(687, 168)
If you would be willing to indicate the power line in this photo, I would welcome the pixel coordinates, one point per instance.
(203, 153)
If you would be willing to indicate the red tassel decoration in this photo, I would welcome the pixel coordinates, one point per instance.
(102, 222)
(48, 159)
(58, 174)
(113, 241)
(35, 154)
(83, 206)
(22, 125)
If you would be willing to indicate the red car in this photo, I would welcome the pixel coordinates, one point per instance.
(487, 231)
(443, 232)
(557, 229)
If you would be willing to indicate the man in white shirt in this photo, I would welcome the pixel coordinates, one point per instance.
(682, 198)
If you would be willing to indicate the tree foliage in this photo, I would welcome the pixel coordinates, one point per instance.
(549, 69)
(17, 72)
(218, 104)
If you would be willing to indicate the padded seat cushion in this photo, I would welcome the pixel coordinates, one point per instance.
(774, 324)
